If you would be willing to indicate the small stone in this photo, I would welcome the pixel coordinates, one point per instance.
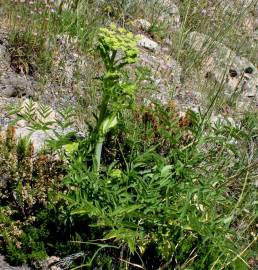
(255, 35)
(142, 24)
(47, 264)
(148, 43)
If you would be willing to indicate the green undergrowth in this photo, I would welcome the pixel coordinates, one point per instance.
(165, 194)
(145, 189)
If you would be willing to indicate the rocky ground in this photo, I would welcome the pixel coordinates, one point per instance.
(5, 266)
(240, 73)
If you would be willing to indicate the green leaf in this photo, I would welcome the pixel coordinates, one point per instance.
(116, 173)
(88, 209)
(71, 147)
(108, 123)
(125, 210)
(166, 171)
(124, 234)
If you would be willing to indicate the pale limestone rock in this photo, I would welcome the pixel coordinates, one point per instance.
(38, 138)
(222, 64)
(148, 43)
(13, 84)
(165, 73)
(141, 24)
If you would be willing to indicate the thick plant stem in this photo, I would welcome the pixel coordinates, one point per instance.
(100, 137)
(98, 151)
(103, 112)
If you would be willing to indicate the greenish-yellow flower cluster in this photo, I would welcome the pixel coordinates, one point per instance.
(119, 39)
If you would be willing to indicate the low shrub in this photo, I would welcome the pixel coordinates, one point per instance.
(30, 183)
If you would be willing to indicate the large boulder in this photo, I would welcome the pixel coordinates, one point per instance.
(238, 75)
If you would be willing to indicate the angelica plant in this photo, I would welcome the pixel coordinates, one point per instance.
(117, 48)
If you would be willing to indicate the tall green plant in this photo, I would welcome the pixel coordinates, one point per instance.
(118, 48)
